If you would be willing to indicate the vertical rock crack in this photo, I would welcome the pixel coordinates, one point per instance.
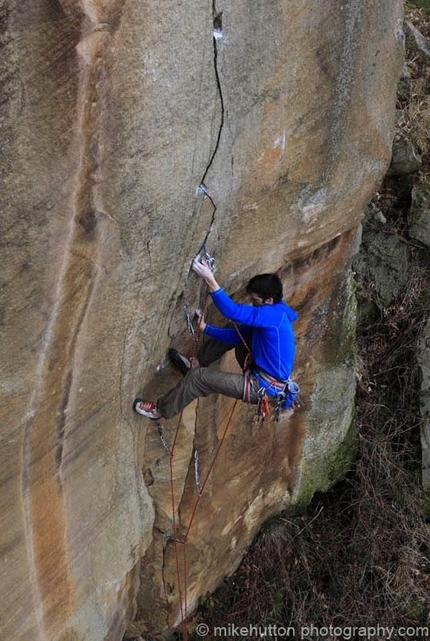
(217, 32)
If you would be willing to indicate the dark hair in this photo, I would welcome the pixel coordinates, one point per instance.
(266, 286)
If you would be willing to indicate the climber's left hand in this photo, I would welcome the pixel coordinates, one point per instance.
(201, 323)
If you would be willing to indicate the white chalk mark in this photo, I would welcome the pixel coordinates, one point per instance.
(281, 142)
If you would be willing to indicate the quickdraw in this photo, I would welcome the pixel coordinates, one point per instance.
(159, 427)
(165, 361)
(204, 253)
(263, 407)
(190, 325)
(173, 539)
(196, 471)
(209, 259)
(280, 398)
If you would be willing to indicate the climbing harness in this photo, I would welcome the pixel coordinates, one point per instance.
(284, 399)
(272, 382)
(287, 391)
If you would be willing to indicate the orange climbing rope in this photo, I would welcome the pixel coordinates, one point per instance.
(182, 574)
(263, 407)
(182, 577)
(263, 411)
(248, 356)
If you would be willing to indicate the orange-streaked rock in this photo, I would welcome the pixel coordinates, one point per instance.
(112, 118)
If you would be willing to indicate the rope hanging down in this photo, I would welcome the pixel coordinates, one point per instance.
(182, 573)
(179, 542)
(263, 407)
(263, 411)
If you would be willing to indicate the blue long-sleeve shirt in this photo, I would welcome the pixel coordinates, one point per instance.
(272, 338)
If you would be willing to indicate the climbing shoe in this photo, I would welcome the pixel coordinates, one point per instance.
(180, 362)
(147, 409)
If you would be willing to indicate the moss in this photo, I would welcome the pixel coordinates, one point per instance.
(421, 4)
(330, 444)
(340, 347)
(322, 474)
(416, 611)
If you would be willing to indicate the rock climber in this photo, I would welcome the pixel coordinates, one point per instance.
(265, 326)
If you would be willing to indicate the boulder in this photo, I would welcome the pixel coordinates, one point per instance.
(133, 135)
(405, 159)
(419, 214)
(383, 263)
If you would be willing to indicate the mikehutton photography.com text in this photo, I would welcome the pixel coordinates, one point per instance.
(312, 632)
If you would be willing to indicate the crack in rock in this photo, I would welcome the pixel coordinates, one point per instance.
(217, 35)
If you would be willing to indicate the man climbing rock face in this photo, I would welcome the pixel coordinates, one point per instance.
(265, 326)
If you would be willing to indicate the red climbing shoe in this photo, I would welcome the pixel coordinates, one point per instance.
(147, 409)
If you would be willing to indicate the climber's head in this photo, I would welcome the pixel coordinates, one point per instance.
(264, 289)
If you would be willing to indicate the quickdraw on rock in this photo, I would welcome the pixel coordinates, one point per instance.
(189, 321)
(204, 253)
(165, 361)
(196, 471)
(210, 259)
(159, 427)
(173, 539)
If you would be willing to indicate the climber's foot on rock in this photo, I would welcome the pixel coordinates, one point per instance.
(145, 408)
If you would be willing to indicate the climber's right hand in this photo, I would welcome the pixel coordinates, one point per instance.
(203, 269)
